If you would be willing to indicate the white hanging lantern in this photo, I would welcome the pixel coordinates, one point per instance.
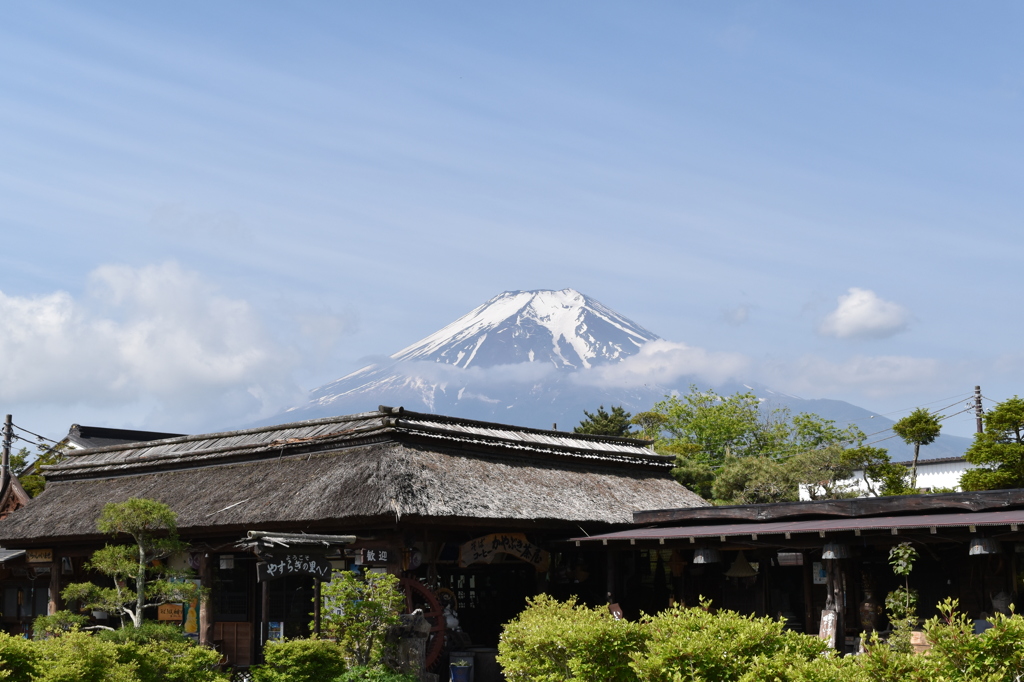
(706, 555)
(983, 546)
(835, 550)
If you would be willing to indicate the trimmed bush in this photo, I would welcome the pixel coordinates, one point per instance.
(19, 658)
(57, 624)
(171, 661)
(553, 641)
(79, 657)
(724, 646)
(372, 674)
(300, 660)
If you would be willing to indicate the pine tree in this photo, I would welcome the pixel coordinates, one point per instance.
(602, 423)
(918, 428)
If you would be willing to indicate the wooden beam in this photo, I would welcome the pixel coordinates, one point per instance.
(205, 600)
(55, 603)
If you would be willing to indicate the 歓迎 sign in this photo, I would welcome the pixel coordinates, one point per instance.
(38, 556)
(375, 557)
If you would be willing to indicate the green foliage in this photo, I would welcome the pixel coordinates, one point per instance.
(884, 663)
(300, 660)
(959, 654)
(76, 656)
(901, 603)
(551, 641)
(754, 480)
(374, 674)
(999, 451)
(138, 582)
(556, 642)
(357, 612)
(918, 428)
(716, 425)
(27, 468)
(695, 644)
(732, 450)
(696, 476)
(57, 624)
(146, 633)
(902, 558)
(602, 423)
(80, 657)
(169, 660)
(19, 658)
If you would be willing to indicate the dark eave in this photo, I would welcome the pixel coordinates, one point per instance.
(859, 507)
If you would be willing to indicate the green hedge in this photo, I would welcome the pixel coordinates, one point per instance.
(555, 641)
(552, 641)
(300, 660)
(75, 656)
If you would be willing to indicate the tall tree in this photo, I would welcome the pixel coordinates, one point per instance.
(706, 426)
(732, 450)
(918, 428)
(601, 423)
(998, 452)
(138, 582)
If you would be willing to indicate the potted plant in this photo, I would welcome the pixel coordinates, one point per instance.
(460, 670)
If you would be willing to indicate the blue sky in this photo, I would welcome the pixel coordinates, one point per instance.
(209, 208)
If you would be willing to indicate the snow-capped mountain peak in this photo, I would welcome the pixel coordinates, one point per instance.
(565, 328)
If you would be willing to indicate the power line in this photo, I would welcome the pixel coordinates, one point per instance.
(55, 442)
(886, 414)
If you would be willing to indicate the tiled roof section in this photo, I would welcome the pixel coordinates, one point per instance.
(338, 432)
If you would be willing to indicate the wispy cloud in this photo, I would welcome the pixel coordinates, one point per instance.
(158, 335)
(737, 316)
(861, 313)
(664, 362)
(872, 376)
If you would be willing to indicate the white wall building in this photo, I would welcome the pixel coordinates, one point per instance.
(943, 472)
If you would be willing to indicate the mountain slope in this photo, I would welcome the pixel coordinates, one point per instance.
(523, 357)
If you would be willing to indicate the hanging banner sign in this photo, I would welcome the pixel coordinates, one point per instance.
(483, 550)
(173, 612)
(293, 564)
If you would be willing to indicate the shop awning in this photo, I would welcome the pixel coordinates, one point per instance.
(753, 531)
(9, 554)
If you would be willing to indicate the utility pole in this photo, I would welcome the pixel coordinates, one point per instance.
(5, 474)
(978, 412)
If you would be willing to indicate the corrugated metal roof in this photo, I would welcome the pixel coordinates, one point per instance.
(9, 554)
(995, 518)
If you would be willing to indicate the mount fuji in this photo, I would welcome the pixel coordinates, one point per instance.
(539, 358)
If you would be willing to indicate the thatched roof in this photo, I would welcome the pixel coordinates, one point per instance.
(361, 470)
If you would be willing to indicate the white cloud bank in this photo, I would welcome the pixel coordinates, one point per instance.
(871, 376)
(158, 335)
(862, 314)
(661, 363)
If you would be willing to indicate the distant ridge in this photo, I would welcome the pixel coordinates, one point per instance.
(517, 359)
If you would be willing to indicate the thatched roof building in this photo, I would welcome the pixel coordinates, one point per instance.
(365, 470)
(413, 490)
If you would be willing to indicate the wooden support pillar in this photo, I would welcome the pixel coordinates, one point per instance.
(808, 594)
(55, 603)
(610, 577)
(316, 606)
(205, 600)
(833, 627)
(264, 618)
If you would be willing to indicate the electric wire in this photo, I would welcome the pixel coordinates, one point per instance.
(55, 442)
